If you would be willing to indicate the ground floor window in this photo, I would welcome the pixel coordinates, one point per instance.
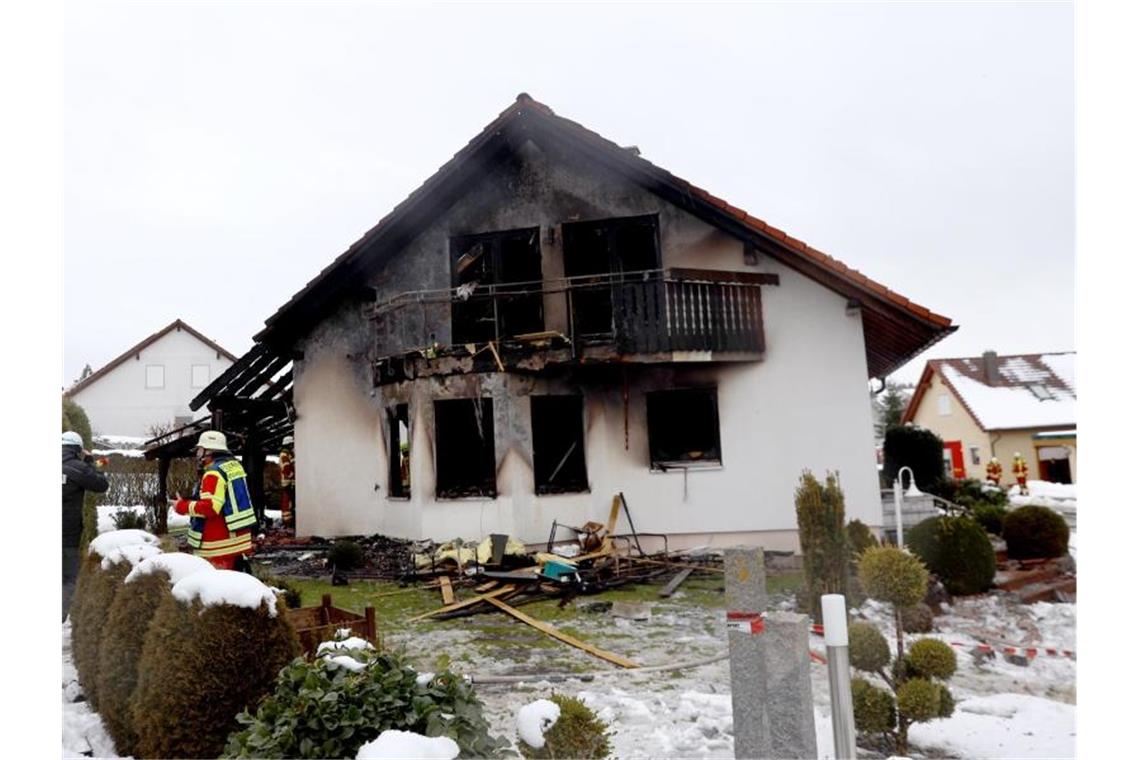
(399, 452)
(559, 450)
(684, 428)
(464, 448)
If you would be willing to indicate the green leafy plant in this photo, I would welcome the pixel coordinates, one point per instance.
(346, 555)
(578, 733)
(823, 539)
(957, 550)
(1034, 532)
(892, 575)
(969, 492)
(323, 709)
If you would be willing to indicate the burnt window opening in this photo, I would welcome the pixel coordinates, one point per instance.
(480, 266)
(684, 428)
(399, 452)
(464, 448)
(559, 446)
(605, 247)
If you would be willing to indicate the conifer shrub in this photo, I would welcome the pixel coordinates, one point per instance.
(1035, 533)
(125, 519)
(74, 418)
(823, 538)
(874, 708)
(123, 636)
(917, 618)
(931, 658)
(868, 648)
(201, 665)
(346, 698)
(346, 555)
(859, 537)
(945, 701)
(919, 700)
(990, 516)
(957, 550)
(893, 576)
(914, 447)
(578, 733)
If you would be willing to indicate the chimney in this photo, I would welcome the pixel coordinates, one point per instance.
(990, 368)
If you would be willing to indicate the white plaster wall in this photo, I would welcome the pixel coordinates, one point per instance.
(119, 403)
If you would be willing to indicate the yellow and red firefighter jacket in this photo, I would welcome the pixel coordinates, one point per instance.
(1020, 469)
(993, 472)
(221, 516)
(285, 460)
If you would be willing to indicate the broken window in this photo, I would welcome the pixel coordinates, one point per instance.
(399, 452)
(464, 448)
(559, 450)
(487, 306)
(604, 248)
(684, 427)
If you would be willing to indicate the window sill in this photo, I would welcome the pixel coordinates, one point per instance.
(398, 498)
(663, 468)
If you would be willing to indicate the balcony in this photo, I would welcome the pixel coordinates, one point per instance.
(650, 316)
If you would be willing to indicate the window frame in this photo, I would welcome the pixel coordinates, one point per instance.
(652, 426)
(464, 311)
(573, 457)
(146, 377)
(488, 489)
(395, 414)
(202, 385)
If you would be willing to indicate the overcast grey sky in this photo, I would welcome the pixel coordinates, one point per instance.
(216, 157)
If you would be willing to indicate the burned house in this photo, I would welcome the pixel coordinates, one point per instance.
(551, 319)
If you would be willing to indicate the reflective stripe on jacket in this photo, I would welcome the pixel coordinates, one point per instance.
(222, 515)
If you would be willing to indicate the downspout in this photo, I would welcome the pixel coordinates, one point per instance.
(993, 443)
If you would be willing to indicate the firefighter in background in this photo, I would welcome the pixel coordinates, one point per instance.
(221, 513)
(993, 471)
(288, 484)
(1021, 473)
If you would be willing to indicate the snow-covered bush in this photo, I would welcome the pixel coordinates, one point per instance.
(957, 550)
(1035, 533)
(823, 539)
(124, 633)
(213, 649)
(577, 732)
(108, 559)
(347, 696)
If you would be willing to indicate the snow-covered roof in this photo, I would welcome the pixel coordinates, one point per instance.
(1028, 391)
(175, 564)
(226, 587)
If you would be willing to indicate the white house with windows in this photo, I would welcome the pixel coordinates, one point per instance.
(150, 384)
(551, 319)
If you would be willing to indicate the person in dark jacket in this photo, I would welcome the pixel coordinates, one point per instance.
(79, 475)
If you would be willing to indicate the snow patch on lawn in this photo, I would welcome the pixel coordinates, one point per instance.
(405, 744)
(175, 564)
(226, 587)
(534, 719)
(1001, 726)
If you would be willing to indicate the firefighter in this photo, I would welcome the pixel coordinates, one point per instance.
(1021, 473)
(221, 514)
(993, 471)
(288, 483)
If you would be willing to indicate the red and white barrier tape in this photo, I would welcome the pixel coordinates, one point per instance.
(752, 623)
(1027, 652)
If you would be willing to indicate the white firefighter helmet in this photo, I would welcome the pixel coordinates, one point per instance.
(212, 440)
(71, 438)
(287, 440)
(1017, 455)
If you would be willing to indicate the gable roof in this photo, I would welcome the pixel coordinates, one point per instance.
(1009, 400)
(895, 328)
(177, 324)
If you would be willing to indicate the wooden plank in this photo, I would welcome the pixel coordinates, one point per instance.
(677, 565)
(678, 579)
(445, 589)
(465, 603)
(550, 630)
(612, 522)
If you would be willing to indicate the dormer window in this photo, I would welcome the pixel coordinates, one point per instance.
(1041, 392)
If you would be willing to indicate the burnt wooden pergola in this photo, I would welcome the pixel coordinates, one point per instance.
(252, 403)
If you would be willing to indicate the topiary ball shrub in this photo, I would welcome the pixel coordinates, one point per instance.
(874, 708)
(919, 700)
(868, 648)
(931, 658)
(1035, 533)
(213, 649)
(859, 537)
(891, 575)
(957, 550)
(346, 555)
(990, 516)
(348, 696)
(108, 560)
(578, 733)
(946, 702)
(917, 618)
(124, 633)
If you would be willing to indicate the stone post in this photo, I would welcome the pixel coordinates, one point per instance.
(791, 713)
(746, 597)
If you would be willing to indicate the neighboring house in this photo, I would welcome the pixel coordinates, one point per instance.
(150, 385)
(549, 320)
(996, 406)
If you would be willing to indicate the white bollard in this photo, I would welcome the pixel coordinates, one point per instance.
(839, 674)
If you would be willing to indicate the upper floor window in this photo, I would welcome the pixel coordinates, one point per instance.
(199, 375)
(684, 428)
(155, 376)
(480, 266)
(943, 405)
(603, 248)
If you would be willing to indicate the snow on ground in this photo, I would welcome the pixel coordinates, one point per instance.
(1059, 497)
(84, 734)
(1002, 726)
(405, 744)
(134, 453)
(126, 440)
(107, 512)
